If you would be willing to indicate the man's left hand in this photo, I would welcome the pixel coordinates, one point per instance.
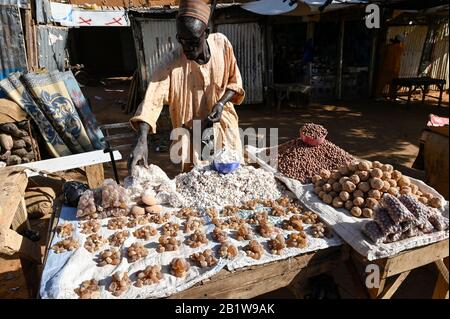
(216, 112)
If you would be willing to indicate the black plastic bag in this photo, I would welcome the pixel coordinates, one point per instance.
(73, 191)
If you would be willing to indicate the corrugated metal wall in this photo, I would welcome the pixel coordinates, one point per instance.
(159, 38)
(415, 36)
(248, 44)
(52, 43)
(12, 44)
(439, 65)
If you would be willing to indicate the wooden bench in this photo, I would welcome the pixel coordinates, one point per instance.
(413, 84)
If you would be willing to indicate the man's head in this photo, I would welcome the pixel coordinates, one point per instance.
(192, 34)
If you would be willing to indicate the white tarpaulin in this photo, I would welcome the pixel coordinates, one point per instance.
(349, 227)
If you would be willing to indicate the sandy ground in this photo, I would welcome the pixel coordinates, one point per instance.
(384, 131)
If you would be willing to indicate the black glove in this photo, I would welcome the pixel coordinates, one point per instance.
(73, 191)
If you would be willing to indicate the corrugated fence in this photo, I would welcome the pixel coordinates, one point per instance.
(12, 45)
(248, 45)
(52, 45)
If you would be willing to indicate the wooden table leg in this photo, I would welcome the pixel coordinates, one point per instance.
(391, 288)
(95, 175)
(441, 89)
(442, 282)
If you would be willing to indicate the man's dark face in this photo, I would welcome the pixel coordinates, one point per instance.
(191, 34)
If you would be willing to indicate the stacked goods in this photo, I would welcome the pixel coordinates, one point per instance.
(359, 186)
(204, 188)
(403, 217)
(17, 146)
(150, 275)
(301, 161)
(110, 200)
(204, 259)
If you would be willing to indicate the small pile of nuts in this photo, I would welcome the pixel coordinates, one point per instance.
(278, 210)
(294, 223)
(219, 235)
(159, 218)
(179, 267)
(120, 283)
(140, 220)
(232, 222)
(117, 223)
(197, 239)
(244, 232)
(67, 244)
(170, 229)
(309, 217)
(257, 218)
(204, 259)
(300, 161)
(250, 204)
(266, 228)
(145, 232)
(284, 201)
(254, 249)
(186, 212)
(277, 244)
(359, 186)
(227, 250)
(211, 212)
(229, 210)
(192, 224)
(109, 257)
(88, 289)
(314, 131)
(167, 243)
(298, 240)
(94, 242)
(65, 230)
(118, 238)
(90, 226)
(149, 276)
(136, 251)
(319, 230)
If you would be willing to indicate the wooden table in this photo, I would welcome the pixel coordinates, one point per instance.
(13, 221)
(413, 84)
(394, 270)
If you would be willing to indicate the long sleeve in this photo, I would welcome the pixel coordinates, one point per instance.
(234, 75)
(156, 97)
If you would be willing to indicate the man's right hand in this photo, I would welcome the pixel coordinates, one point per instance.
(140, 150)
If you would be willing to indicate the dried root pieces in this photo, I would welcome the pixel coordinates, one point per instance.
(88, 289)
(65, 230)
(67, 244)
(254, 249)
(204, 259)
(179, 267)
(145, 232)
(118, 238)
(109, 257)
(149, 276)
(117, 223)
(170, 229)
(197, 239)
(90, 226)
(297, 240)
(227, 250)
(244, 232)
(167, 243)
(120, 283)
(277, 244)
(136, 251)
(294, 223)
(219, 235)
(94, 242)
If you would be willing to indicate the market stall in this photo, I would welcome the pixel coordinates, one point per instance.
(250, 231)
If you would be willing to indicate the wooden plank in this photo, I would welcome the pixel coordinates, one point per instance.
(12, 243)
(392, 287)
(95, 175)
(417, 258)
(256, 280)
(69, 162)
(20, 220)
(10, 198)
(443, 269)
